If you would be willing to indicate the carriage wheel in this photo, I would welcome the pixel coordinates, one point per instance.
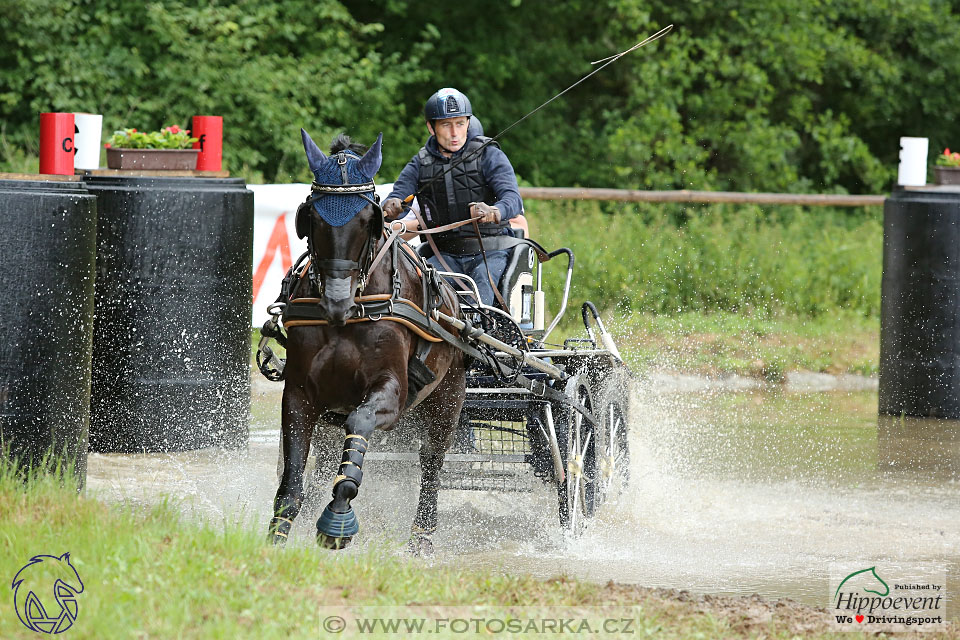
(615, 462)
(577, 493)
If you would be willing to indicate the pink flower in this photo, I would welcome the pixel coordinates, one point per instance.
(173, 129)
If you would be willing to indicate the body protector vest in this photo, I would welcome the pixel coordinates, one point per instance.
(448, 199)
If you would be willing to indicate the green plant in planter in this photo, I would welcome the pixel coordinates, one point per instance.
(172, 137)
(947, 159)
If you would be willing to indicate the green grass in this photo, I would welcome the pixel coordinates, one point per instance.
(670, 259)
(768, 348)
(148, 574)
(718, 289)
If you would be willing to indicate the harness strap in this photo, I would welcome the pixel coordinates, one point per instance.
(433, 244)
(391, 238)
(493, 285)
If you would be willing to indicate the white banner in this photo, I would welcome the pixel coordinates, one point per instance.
(275, 242)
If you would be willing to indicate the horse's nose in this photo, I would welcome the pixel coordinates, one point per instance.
(337, 313)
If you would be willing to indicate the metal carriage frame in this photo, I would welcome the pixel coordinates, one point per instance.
(553, 414)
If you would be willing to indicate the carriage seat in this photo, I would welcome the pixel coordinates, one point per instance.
(516, 284)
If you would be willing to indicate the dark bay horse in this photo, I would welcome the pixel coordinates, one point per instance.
(352, 373)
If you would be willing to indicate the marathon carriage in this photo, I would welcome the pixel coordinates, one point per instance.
(534, 412)
(385, 352)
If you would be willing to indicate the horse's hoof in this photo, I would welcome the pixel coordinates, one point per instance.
(335, 530)
(420, 546)
(278, 531)
(329, 542)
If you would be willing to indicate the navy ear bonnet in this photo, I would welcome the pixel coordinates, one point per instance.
(337, 206)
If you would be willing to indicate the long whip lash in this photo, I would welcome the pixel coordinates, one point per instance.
(606, 62)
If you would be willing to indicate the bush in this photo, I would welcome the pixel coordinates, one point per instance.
(670, 259)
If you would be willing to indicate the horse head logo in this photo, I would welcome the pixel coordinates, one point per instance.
(41, 577)
(869, 578)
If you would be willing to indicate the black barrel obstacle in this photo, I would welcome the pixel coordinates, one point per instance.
(171, 347)
(920, 308)
(46, 282)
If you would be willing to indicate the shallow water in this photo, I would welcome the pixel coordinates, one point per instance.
(733, 491)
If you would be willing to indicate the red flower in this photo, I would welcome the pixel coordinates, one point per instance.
(107, 145)
(946, 151)
(133, 130)
(174, 129)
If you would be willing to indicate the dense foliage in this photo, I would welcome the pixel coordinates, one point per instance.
(777, 95)
(267, 67)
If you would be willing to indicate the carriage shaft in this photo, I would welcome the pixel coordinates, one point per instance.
(527, 359)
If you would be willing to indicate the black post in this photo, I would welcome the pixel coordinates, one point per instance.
(172, 332)
(920, 304)
(46, 285)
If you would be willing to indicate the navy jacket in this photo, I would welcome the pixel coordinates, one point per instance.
(496, 169)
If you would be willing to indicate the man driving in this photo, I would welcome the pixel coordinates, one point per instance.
(480, 185)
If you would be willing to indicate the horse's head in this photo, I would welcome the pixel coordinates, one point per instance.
(342, 222)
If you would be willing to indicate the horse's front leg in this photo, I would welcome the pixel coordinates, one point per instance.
(381, 408)
(298, 418)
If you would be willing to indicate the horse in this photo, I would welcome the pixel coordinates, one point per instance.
(353, 371)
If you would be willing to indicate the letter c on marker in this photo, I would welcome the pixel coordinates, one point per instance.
(65, 145)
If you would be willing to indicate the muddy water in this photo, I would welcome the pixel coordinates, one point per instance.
(733, 491)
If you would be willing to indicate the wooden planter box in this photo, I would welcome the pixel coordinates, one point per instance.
(153, 159)
(947, 175)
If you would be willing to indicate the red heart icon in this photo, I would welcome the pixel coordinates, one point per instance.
(859, 618)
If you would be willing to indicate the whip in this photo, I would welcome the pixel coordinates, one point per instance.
(606, 62)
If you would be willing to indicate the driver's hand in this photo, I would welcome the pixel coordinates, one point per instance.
(392, 208)
(484, 212)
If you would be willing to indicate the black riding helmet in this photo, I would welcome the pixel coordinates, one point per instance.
(447, 103)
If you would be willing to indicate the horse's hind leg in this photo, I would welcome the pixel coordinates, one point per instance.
(338, 523)
(298, 418)
(441, 413)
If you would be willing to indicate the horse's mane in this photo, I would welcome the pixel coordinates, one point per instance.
(343, 143)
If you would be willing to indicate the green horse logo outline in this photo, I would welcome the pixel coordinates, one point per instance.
(873, 570)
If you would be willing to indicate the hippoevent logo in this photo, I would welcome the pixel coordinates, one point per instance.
(888, 599)
(45, 593)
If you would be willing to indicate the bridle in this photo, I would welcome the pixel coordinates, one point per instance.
(319, 268)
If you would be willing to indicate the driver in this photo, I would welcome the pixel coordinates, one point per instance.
(482, 186)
